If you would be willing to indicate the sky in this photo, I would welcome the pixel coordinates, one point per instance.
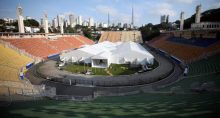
(145, 11)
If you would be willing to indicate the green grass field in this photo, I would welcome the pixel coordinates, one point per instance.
(136, 106)
(77, 68)
(114, 69)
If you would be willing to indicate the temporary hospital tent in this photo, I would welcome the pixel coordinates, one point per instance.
(101, 55)
(133, 53)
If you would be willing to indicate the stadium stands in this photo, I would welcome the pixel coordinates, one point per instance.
(194, 41)
(116, 36)
(183, 51)
(34, 46)
(84, 40)
(209, 65)
(42, 47)
(11, 63)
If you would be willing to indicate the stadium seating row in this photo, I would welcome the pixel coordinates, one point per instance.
(42, 47)
(116, 36)
(11, 63)
(183, 51)
(203, 66)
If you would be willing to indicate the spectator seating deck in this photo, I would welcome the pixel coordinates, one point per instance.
(194, 41)
(85, 40)
(183, 51)
(211, 64)
(116, 36)
(11, 62)
(42, 47)
(35, 46)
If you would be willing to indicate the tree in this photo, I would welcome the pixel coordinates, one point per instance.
(2, 21)
(31, 23)
(149, 31)
(69, 30)
(41, 30)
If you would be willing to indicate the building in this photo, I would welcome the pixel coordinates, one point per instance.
(119, 25)
(60, 19)
(72, 20)
(163, 19)
(203, 25)
(9, 20)
(20, 19)
(85, 23)
(28, 18)
(54, 23)
(91, 22)
(79, 20)
(46, 23)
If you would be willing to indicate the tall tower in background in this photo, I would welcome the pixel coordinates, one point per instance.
(198, 13)
(132, 17)
(61, 22)
(46, 23)
(72, 20)
(20, 19)
(91, 22)
(108, 20)
(163, 19)
(181, 20)
(79, 20)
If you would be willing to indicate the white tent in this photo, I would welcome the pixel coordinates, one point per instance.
(101, 55)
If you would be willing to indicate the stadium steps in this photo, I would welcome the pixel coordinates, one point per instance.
(209, 65)
(184, 52)
(11, 63)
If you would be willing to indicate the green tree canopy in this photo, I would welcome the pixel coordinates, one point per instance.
(31, 23)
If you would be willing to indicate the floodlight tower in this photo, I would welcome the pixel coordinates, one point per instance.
(132, 17)
(108, 19)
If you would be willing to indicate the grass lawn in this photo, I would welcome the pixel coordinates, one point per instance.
(114, 69)
(137, 106)
(77, 68)
(122, 69)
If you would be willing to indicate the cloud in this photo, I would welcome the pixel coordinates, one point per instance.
(163, 9)
(182, 1)
(215, 6)
(106, 9)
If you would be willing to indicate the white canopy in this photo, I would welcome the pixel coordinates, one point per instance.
(118, 53)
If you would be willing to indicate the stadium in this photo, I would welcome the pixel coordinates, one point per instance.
(176, 74)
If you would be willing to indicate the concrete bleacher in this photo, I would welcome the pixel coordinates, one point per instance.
(209, 65)
(183, 51)
(85, 40)
(205, 42)
(11, 62)
(124, 36)
(35, 46)
(43, 47)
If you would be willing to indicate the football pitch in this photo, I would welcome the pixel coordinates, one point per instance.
(137, 106)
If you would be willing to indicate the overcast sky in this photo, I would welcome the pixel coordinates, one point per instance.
(145, 11)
